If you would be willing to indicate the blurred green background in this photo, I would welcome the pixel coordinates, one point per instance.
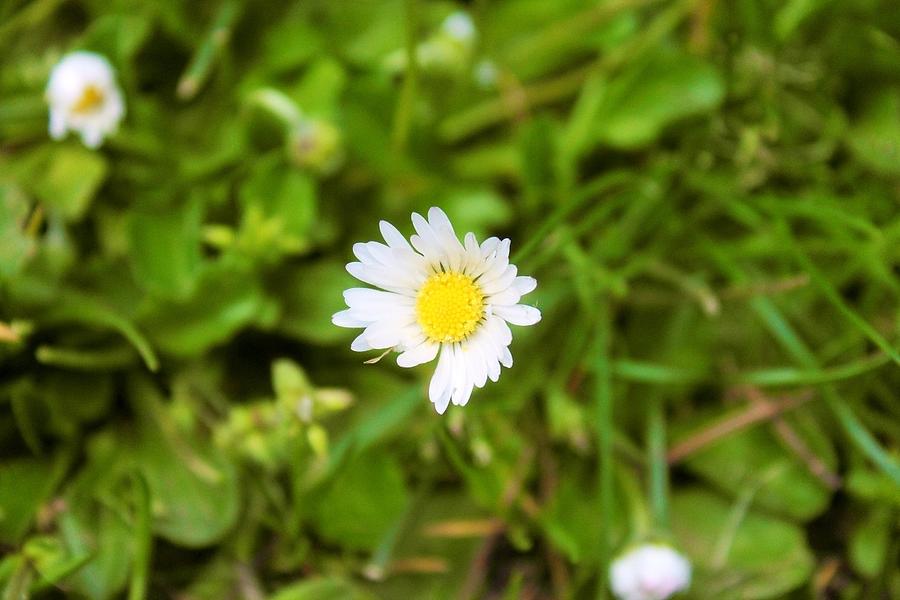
(708, 193)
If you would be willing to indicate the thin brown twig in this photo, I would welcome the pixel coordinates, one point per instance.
(753, 414)
(789, 436)
(765, 288)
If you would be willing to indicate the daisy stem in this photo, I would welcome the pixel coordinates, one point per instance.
(406, 104)
(656, 450)
(603, 399)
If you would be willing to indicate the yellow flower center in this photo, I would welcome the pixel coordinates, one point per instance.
(91, 99)
(449, 307)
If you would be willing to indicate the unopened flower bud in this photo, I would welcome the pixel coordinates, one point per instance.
(316, 144)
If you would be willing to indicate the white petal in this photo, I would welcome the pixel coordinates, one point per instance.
(462, 381)
(525, 284)
(345, 318)
(486, 257)
(390, 333)
(493, 370)
(92, 137)
(494, 268)
(472, 258)
(499, 331)
(421, 354)
(477, 363)
(378, 300)
(426, 241)
(360, 343)
(461, 395)
(446, 236)
(361, 252)
(507, 297)
(57, 124)
(442, 402)
(506, 358)
(518, 314)
(393, 280)
(440, 381)
(381, 254)
(488, 246)
(499, 283)
(392, 236)
(503, 249)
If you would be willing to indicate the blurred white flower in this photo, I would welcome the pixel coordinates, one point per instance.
(442, 298)
(84, 97)
(486, 74)
(649, 572)
(460, 27)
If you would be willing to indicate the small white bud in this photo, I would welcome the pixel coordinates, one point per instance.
(649, 572)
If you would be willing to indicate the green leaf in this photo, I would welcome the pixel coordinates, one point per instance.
(224, 302)
(279, 204)
(165, 249)
(362, 502)
(74, 398)
(64, 176)
(51, 559)
(738, 554)
(16, 246)
(793, 13)
(321, 87)
(308, 308)
(117, 36)
(642, 102)
(291, 42)
(93, 523)
(571, 519)
(194, 488)
(25, 483)
(321, 588)
(753, 458)
(874, 137)
(95, 530)
(870, 539)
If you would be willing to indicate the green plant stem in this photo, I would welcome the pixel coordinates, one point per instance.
(604, 423)
(491, 112)
(81, 308)
(588, 192)
(143, 540)
(832, 294)
(659, 468)
(403, 116)
(200, 67)
(785, 335)
(86, 360)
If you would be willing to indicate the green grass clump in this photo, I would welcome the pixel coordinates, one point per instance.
(708, 194)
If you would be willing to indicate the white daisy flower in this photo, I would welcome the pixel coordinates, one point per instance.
(84, 97)
(649, 572)
(439, 298)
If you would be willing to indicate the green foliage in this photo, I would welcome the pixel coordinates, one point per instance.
(706, 193)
